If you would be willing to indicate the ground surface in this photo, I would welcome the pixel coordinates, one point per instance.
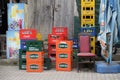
(13, 73)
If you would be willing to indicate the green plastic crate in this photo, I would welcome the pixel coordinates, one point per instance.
(75, 51)
(22, 54)
(22, 64)
(34, 45)
(47, 64)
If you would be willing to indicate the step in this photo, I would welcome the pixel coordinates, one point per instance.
(103, 67)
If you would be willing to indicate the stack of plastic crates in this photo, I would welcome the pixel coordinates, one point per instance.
(88, 20)
(75, 47)
(64, 55)
(34, 56)
(58, 33)
(25, 35)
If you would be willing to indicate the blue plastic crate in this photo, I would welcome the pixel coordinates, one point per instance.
(75, 41)
(91, 30)
(119, 67)
(104, 67)
(75, 46)
(23, 44)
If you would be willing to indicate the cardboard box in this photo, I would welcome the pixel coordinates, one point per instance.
(13, 44)
(17, 16)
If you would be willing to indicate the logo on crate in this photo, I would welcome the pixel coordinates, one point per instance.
(33, 49)
(28, 34)
(34, 66)
(63, 55)
(63, 45)
(63, 65)
(34, 56)
(91, 30)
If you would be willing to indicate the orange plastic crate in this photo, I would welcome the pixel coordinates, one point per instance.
(53, 37)
(35, 66)
(63, 66)
(34, 56)
(60, 30)
(64, 56)
(28, 34)
(64, 45)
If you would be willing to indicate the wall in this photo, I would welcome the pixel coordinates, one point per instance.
(44, 14)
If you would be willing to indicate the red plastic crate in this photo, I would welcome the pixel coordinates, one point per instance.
(64, 56)
(63, 66)
(52, 56)
(60, 30)
(28, 34)
(52, 47)
(53, 37)
(35, 66)
(34, 56)
(51, 52)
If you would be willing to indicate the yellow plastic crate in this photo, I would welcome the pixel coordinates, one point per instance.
(88, 23)
(88, 9)
(87, 2)
(88, 20)
(85, 23)
(87, 17)
(93, 40)
(93, 49)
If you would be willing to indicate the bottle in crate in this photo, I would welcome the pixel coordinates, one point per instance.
(52, 55)
(39, 36)
(53, 37)
(22, 54)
